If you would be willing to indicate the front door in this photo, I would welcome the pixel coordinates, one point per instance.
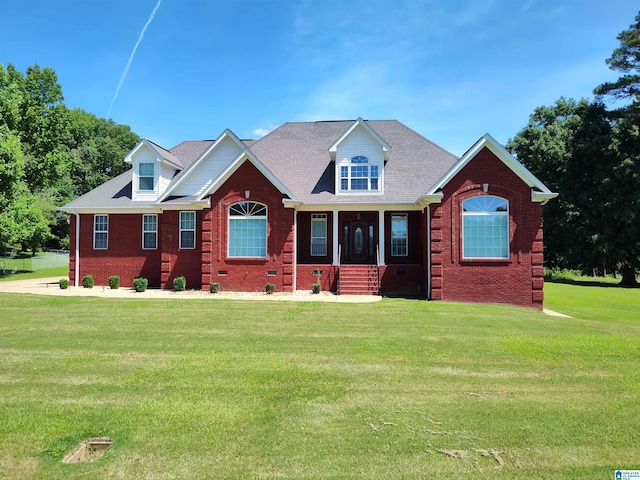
(358, 242)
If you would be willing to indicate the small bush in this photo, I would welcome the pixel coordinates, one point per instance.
(560, 274)
(270, 288)
(64, 284)
(316, 287)
(140, 284)
(87, 281)
(214, 287)
(179, 284)
(114, 282)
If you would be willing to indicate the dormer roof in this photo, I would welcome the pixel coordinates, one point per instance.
(360, 123)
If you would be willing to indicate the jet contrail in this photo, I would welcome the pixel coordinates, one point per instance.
(128, 65)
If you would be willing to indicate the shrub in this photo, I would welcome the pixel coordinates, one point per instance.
(270, 288)
(179, 284)
(561, 274)
(114, 282)
(64, 283)
(87, 281)
(140, 284)
(316, 287)
(214, 287)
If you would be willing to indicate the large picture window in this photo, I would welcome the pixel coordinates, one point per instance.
(358, 174)
(145, 176)
(399, 235)
(187, 230)
(100, 232)
(248, 230)
(318, 234)
(150, 232)
(485, 227)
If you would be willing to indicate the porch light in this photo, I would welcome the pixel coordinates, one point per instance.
(247, 193)
(485, 188)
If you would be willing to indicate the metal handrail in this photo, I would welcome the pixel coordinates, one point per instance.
(378, 265)
(339, 256)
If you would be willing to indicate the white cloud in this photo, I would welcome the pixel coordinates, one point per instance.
(260, 132)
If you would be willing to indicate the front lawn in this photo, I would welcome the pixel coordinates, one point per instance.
(247, 389)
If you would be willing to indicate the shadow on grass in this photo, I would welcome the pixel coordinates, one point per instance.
(589, 283)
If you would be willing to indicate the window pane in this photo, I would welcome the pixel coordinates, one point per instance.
(100, 233)
(146, 169)
(247, 231)
(399, 235)
(318, 235)
(187, 239)
(359, 184)
(485, 228)
(187, 220)
(149, 240)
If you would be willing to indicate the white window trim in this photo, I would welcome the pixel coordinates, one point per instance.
(348, 162)
(319, 217)
(248, 217)
(106, 231)
(485, 214)
(406, 239)
(180, 230)
(155, 232)
(153, 177)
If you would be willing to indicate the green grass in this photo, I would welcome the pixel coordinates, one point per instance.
(241, 389)
(24, 266)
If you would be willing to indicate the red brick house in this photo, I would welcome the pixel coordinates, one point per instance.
(370, 206)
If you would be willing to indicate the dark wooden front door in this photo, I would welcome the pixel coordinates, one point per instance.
(358, 242)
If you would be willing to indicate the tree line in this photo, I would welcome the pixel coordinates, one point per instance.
(589, 152)
(49, 155)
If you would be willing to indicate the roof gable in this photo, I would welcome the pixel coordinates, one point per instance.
(360, 123)
(193, 168)
(246, 155)
(162, 155)
(539, 192)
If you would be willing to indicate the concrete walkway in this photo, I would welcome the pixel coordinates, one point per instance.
(50, 286)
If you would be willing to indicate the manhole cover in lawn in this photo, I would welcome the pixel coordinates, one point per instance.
(88, 451)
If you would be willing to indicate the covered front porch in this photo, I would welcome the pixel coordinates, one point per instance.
(362, 251)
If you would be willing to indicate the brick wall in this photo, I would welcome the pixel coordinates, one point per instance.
(239, 274)
(517, 280)
(123, 257)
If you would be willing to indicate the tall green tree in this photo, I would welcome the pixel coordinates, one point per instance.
(591, 155)
(567, 146)
(625, 176)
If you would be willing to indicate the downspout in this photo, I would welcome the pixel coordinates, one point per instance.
(76, 266)
(428, 252)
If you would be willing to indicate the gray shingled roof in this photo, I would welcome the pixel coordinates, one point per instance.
(298, 154)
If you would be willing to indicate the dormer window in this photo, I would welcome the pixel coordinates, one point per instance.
(359, 175)
(145, 176)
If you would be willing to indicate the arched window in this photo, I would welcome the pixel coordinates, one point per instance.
(248, 230)
(485, 227)
(357, 174)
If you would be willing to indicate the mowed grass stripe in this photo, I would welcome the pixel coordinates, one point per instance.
(233, 389)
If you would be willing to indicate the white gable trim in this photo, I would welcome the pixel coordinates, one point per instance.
(539, 192)
(146, 143)
(246, 155)
(188, 172)
(360, 122)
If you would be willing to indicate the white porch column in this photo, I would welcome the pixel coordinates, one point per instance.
(381, 236)
(336, 253)
(76, 267)
(295, 250)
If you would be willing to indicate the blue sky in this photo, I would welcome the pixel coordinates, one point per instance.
(452, 70)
